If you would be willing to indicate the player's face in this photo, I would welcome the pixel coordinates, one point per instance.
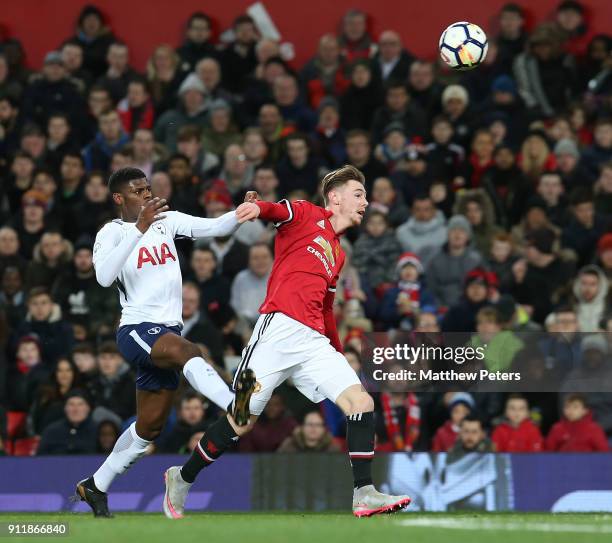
(352, 200)
(135, 194)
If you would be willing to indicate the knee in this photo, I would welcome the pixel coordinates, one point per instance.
(186, 352)
(363, 403)
(149, 431)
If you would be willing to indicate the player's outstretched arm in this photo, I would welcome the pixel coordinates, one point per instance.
(111, 252)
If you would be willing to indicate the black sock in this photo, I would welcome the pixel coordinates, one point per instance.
(360, 441)
(217, 439)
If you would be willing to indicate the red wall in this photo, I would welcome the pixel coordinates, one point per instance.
(41, 25)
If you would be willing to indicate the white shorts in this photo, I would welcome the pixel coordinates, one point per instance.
(282, 347)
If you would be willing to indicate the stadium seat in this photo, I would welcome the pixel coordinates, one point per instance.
(15, 423)
(26, 446)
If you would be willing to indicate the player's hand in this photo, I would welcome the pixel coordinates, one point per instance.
(152, 211)
(248, 211)
(251, 196)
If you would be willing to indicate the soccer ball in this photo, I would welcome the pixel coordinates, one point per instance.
(463, 46)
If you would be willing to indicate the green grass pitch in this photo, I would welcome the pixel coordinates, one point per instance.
(330, 528)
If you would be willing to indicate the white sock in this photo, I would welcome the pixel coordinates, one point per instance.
(127, 450)
(202, 376)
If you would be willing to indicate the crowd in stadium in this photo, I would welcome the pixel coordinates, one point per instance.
(490, 214)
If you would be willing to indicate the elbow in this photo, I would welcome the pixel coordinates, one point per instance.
(104, 279)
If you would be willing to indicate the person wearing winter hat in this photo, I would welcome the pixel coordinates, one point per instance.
(402, 303)
(192, 110)
(448, 268)
(461, 317)
(570, 166)
(460, 405)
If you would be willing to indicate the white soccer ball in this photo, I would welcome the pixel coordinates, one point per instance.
(463, 46)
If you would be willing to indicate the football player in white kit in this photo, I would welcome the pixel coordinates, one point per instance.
(138, 252)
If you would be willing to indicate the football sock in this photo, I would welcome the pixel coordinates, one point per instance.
(217, 439)
(203, 377)
(128, 448)
(360, 441)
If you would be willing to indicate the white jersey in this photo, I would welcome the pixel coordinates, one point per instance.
(146, 266)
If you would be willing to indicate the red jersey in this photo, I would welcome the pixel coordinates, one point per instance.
(307, 261)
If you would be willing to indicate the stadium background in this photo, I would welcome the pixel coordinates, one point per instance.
(141, 30)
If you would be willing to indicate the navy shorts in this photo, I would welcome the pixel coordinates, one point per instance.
(135, 342)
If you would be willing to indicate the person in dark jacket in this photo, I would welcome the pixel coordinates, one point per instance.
(310, 436)
(95, 38)
(191, 419)
(93, 211)
(109, 139)
(328, 137)
(197, 44)
(28, 374)
(392, 62)
(299, 169)
(119, 73)
(113, 388)
(512, 36)
(361, 99)
(44, 320)
(239, 60)
(601, 150)
(472, 438)
(214, 287)
(76, 433)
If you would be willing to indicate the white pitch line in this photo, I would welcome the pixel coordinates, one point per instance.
(502, 525)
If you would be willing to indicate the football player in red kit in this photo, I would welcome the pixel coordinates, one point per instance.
(296, 337)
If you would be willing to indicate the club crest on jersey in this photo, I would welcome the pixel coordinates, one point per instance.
(159, 257)
(327, 249)
(321, 224)
(154, 331)
(159, 227)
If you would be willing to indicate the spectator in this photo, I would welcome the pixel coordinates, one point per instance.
(299, 169)
(9, 249)
(561, 345)
(164, 77)
(34, 142)
(12, 296)
(576, 431)
(455, 102)
(30, 223)
(603, 191)
(271, 429)
(48, 404)
(109, 139)
(518, 433)
(604, 253)
(119, 73)
(392, 62)
(405, 300)
(221, 131)
(95, 38)
(399, 108)
(443, 156)
(501, 345)
(197, 327)
(72, 58)
(477, 208)
(108, 432)
(50, 259)
(184, 183)
(59, 141)
(197, 44)
(89, 307)
(363, 96)
(501, 259)
(310, 436)
(286, 96)
(355, 41)
(20, 179)
(550, 190)
(192, 109)
(472, 438)
(425, 232)
(99, 101)
(393, 149)
(570, 17)
(536, 157)
(592, 297)
(359, 152)
(250, 285)
(53, 92)
(45, 182)
(540, 278)
(214, 288)
(146, 154)
(460, 405)
(255, 146)
(75, 433)
(94, 210)
(324, 74)
(9, 122)
(593, 64)
(376, 251)
(113, 388)
(273, 129)
(585, 228)
(461, 317)
(448, 268)
(84, 358)
(204, 164)
(236, 173)
(512, 36)
(136, 109)
(545, 75)
(44, 320)
(238, 60)
(191, 419)
(28, 374)
(328, 137)
(600, 151)
(386, 199)
(424, 90)
(266, 183)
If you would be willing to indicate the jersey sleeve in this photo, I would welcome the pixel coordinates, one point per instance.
(183, 225)
(110, 251)
(283, 213)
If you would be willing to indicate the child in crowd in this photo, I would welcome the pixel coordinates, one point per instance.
(517, 433)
